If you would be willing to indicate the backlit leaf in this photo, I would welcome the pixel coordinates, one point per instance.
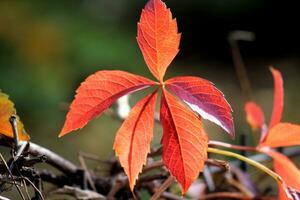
(254, 115)
(184, 141)
(97, 93)
(132, 143)
(278, 98)
(158, 37)
(7, 109)
(204, 98)
(282, 135)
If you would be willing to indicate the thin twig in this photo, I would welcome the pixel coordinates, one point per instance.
(292, 151)
(9, 172)
(151, 177)
(93, 157)
(225, 195)
(156, 152)
(34, 187)
(152, 166)
(87, 173)
(219, 163)
(163, 187)
(26, 189)
(247, 160)
(208, 179)
(238, 185)
(10, 180)
(233, 39)
(245, 179)
(13, 122)
(4, 198)
(119, 182)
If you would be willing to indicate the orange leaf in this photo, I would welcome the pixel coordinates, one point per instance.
(7, 109)
(132, 143)
(204, 98)
(184, 141)
(289, 173)
(97, 93)
(283, 134)
(158, 37)
(278, 98)
(255, 116)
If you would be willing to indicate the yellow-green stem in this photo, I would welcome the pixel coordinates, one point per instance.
(247, 160)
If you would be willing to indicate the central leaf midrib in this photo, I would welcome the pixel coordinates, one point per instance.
(134, 133)
(173, 123)
(156, 40)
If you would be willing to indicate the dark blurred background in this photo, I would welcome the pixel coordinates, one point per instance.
(48, 47)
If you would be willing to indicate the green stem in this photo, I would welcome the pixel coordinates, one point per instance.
(247, 160)
(231, 146)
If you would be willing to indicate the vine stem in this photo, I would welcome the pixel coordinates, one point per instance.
(231, 146)
(247, 160)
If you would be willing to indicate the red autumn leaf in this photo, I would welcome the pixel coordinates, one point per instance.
(158, 37)
(184, 141)
(97, 93)
(278, 98)
(289, 173)
(204, 98)
(7, 109)
(254, 115)
(282, 135)
(132, 143)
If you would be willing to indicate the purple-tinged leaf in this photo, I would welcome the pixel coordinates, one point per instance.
(205, 99)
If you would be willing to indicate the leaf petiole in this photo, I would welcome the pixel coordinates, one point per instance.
(247, 160)
(231, 146)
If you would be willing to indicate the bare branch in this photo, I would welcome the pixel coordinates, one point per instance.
(163, 187)
(53, 159)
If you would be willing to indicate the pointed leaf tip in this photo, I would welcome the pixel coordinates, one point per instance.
(158, 37)
(184, 141)
(97, 93)
(132, 142)
(205, 99)
(278, 97)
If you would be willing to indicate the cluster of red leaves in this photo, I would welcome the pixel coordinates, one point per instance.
(277, 134)
(184, 140)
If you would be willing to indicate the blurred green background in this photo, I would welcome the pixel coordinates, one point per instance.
(48, 47)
